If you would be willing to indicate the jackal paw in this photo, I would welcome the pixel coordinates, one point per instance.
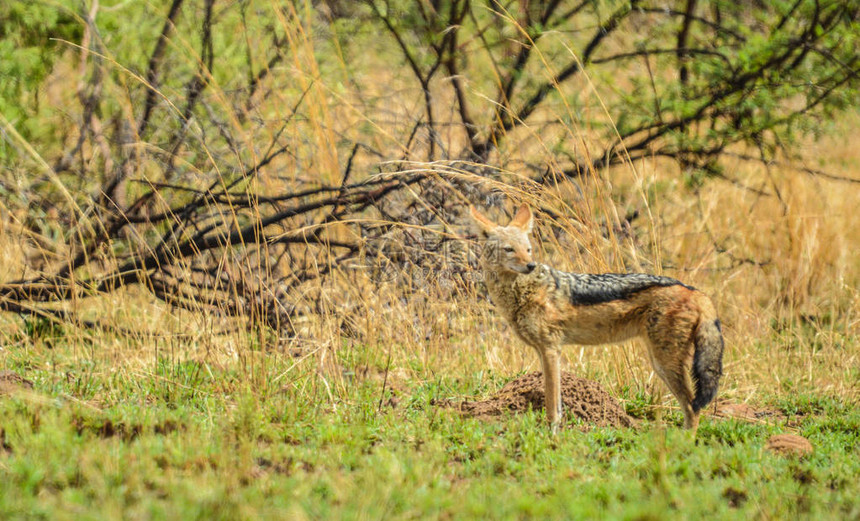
(555, 424)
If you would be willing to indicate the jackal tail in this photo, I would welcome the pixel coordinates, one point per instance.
(707, 361)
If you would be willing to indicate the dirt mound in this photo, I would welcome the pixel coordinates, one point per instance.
(582, 399)
(789, 445)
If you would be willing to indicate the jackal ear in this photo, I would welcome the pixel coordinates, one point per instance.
(484, 224)
(524, 219)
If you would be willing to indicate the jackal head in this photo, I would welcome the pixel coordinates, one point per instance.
(507, 248)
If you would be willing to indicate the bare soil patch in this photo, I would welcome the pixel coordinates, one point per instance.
(11, 382)
(735, 496)
(789, 445)
(583, 399)
(746, 412)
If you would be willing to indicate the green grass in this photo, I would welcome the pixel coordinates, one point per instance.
(188, 439)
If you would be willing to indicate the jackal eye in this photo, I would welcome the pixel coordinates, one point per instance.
(509, 249)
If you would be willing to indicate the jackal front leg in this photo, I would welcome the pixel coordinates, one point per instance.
(549, 358)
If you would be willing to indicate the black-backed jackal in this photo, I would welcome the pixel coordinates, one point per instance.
(549, 308)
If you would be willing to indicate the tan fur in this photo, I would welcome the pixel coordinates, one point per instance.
(667, 318)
